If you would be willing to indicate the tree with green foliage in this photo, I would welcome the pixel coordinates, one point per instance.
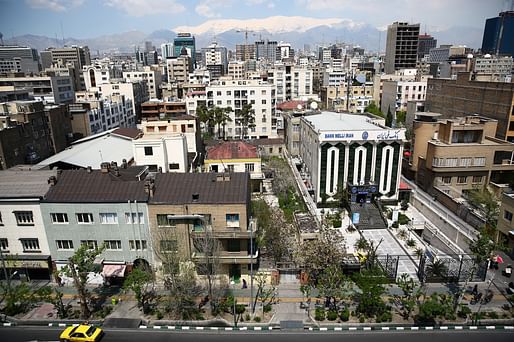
(406, 303)
(141, 281)
(437, 269)
(362, 244)
(389, 118)
(79, 265)
(371, 283)
(205, 115)
(20, 298)
(435, 306)
(400, 117)
(271, 233)
(373, 109)
(489, 206)
(221, 117)
(246, 115)
(334, 285)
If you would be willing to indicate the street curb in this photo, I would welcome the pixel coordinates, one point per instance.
(413, 328)
(70, 324)
(174, 327)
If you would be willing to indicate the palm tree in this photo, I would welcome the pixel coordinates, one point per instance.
(206, 116)
(247, 117)
(221, 117)
(437, 269)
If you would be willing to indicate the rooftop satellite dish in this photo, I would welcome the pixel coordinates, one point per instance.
(314, 105)
(299, 107)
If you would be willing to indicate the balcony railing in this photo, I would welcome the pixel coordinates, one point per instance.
(225, 257)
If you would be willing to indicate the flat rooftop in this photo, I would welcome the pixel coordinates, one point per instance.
(331, 121)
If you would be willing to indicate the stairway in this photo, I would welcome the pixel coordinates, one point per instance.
(370, 217)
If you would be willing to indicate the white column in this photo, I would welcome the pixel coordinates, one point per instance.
(373, 163)
(330, 171)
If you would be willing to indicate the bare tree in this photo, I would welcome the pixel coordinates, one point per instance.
(178, 275)
(266, 295)
(207, 264)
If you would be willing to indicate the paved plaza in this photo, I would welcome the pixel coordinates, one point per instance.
(389, 246)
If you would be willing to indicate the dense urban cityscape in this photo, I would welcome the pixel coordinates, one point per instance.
(243, 179)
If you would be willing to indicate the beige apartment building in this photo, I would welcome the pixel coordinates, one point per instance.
(183, 207)
(455, 156)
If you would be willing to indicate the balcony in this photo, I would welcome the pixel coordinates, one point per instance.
(225, 257)
(228, 232)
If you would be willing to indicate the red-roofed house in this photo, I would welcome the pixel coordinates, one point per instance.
(291, 105)
(234, 156)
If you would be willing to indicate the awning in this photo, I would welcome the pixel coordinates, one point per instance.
(404, 187)
(114, 270)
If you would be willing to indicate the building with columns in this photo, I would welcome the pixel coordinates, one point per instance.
(354, 152)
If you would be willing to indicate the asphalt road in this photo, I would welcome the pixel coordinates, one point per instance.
(18, 334)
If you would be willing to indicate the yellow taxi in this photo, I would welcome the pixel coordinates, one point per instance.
(81, 333)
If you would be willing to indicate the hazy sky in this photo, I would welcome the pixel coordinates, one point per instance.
(91, 18)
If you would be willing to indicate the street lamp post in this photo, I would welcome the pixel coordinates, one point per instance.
(233, 283)
(251, 267)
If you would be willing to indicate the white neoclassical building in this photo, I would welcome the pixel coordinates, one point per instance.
(354, 152)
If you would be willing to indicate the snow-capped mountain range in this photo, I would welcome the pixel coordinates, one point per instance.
(229, 32)
(273, 25)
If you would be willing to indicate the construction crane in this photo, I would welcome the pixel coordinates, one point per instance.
(246, 52)
(245, 31)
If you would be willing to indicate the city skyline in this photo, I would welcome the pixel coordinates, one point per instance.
(72, 18)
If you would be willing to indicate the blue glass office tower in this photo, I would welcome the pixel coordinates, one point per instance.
(499, 34)
(187, 41)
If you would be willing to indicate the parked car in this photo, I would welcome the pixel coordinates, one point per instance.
(81, 333)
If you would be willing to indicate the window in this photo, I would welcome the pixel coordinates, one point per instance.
(1, 222)
(477, 179)
(137, 245)
(462, 180)
(30, 245)
(446, 180)
(452, 162)
(108, 218)
(507, 215)
(232, 220)
(479, 161)
(91, 244)
(134, 218)
(112, 244)
(148, 151)
(174, 166)
(230, 168)
(263, 92)
(84, 218)
(4, 244)
(233, 245)
(64, 244)
(465, 161)
(263, 101)
(59, 217)
(249, 167)
(24, 218)
(165, 220)
(168, 245)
